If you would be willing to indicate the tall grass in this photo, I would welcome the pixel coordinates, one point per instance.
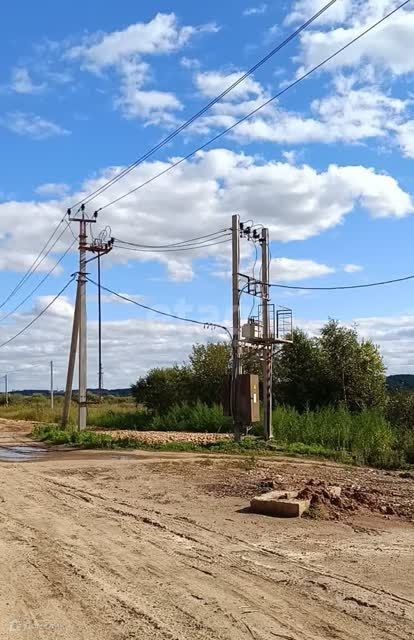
(367, 435)
(198, 417)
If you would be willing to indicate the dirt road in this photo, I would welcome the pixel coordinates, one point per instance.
(123, 546)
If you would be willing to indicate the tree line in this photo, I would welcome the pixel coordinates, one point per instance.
(335, 368)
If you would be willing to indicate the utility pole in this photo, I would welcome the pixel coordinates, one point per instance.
(71, 364)
(79, 329)
(83, 362)
(236, 360)
(100, 370)
(6, 389)
(52, 394)
(267, 339)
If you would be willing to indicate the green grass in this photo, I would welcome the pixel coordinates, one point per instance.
(249, 446)
(366, 436)
(197, 418)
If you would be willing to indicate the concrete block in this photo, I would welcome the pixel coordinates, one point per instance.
(282, 504)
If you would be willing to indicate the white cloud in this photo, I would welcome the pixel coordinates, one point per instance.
(143, 341)
(32, 126)
(353, 268)
(295, 202)
(211, 83)
(405, 137)
(288, 270)
(350, 114)
(256, 11)
(302, 10)
(389, 47)
(124, 51)
(130, 347)
(162, 34)
(23, 83)
(58, 189)
(155, 107)
(190, 63)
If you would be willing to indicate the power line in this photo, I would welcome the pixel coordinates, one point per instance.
(10, 313)
(259, 108)
(183, 248)
(192, 119)
(173, 244)
(352, 286)
(37, 262)
(39, 315)
(162, 313)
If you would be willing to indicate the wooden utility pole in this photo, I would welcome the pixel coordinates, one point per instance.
(236, 360)
(267, 339)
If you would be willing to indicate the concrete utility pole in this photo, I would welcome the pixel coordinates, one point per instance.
(71, 364)
(83, 361)
(236, 361)
(80, 312)
(79, 329)
(100, 368)
(6, 389)
(52, 392)
(267, 339)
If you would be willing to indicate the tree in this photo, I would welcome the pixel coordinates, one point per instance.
(354, 370)
(161, 388)
(335, 368)
(298, 373)
(209, 369)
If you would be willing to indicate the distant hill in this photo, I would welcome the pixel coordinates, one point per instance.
(120, 393)
(401, 381)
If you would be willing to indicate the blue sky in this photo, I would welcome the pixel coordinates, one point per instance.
(87, 88)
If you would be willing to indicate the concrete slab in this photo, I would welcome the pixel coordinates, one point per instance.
(281, 504)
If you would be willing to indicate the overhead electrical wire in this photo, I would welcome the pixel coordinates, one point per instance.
(341, 287)
(257, 109)
(91, 196)
(43, 280)
(39, 315)
(38, 261)
(162, 313)
(183, 248)
(173, 244)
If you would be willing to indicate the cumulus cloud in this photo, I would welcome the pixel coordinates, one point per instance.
(23, 83)
(288, 270)
(389, 47)
(353, 268)
(130, 347)
(126, 51)
(58, 189)
(32, 126)
(295, 202)
(255, 11)
(350, 113)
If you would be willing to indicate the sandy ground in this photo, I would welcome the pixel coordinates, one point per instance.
(101, 545)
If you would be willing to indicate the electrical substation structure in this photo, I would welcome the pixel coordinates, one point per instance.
(79, 328)
(261, 333)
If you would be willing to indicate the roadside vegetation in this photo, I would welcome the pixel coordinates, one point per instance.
(330, 395)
